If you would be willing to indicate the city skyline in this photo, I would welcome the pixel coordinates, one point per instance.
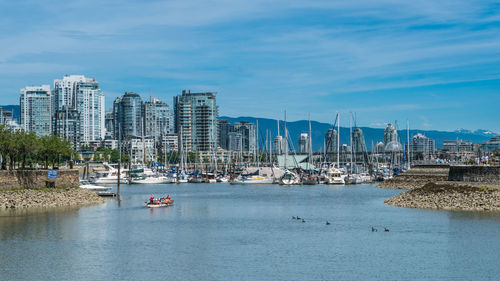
(435, 64)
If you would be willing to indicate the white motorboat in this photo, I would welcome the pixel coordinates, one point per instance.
(87, 185)
(334, 176)
(110, 176)
(152, 180)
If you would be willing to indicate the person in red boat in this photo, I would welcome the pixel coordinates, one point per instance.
(168, 197)
(151, 199)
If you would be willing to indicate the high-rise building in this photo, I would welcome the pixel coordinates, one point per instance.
(391, 141)
(358, 141)
(278, 145)
(67, 125)
(224, 128)
(90, 106)
(422, 144)
(127, 112)
(77, 92)
(235, 141)
(304, 143)
(156, 119)
(66, 90)
(36, 109)
(109, 123)
(248, 135)
(390, 134)
(196, 116)
(359, 146)
(331, 141)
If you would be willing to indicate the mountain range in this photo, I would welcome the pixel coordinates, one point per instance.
(318, 130)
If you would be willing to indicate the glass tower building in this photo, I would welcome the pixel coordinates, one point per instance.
(127, 112)
(156, 119)
(196, 119)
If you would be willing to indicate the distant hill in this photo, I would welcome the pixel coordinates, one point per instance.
(319, 129)
(16, 111)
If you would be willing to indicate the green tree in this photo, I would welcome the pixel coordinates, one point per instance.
(5, 138)
(27, 145)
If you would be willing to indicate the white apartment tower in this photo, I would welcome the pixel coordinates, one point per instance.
(80, 93)
(36, 113)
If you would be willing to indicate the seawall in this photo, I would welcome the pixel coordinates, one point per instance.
(483, 174)
(22, 179)
(417, 177)
(468, 188)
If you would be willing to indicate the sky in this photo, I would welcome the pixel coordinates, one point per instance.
(434, 63)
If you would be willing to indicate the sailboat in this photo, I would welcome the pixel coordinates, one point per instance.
(310, 178)
(289, 177)
(182, 176)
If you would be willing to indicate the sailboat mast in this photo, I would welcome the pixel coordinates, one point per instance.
(408, 143)
(310, 143)
(257, 142)
(286, 142)
(338, 140)
(350, 133)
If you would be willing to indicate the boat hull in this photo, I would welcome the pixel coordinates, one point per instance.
(163, 180)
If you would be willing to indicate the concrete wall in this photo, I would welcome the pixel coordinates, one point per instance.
(37, 178)
(484, 174)
(431, 166)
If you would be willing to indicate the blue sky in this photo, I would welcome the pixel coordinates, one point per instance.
(436, 63)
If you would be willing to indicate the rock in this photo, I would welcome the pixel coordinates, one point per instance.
(27, 198)
(449, 196)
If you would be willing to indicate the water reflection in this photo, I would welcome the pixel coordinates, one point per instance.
(37, 223)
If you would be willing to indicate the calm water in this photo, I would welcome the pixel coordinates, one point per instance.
(223, 232)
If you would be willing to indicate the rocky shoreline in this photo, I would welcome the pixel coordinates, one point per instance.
(450, 196)
(47, 197)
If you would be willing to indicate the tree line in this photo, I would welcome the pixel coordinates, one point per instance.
(20, 149)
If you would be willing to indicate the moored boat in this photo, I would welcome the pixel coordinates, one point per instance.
(97, 188)
(253, 180)
(334, 176)
(289, 178)
(153, 180)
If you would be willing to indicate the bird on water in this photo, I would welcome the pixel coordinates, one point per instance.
(327, 223)
(374, 229)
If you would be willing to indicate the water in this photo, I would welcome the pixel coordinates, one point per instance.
(224, 232)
